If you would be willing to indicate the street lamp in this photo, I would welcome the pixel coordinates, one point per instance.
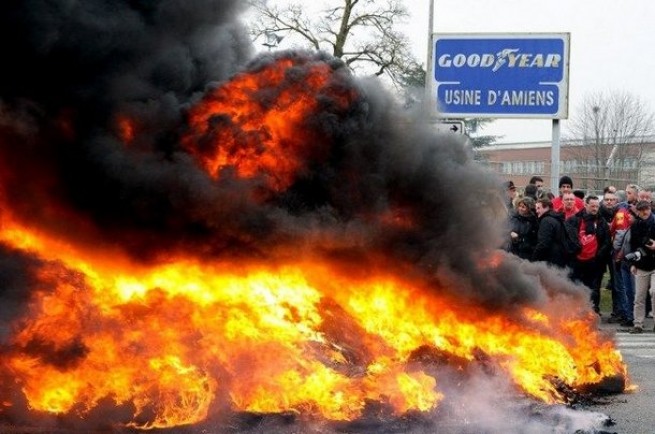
(597, 144)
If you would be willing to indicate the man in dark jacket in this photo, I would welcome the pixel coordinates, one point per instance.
(593, 234)
(566, 186)
(523, 229)
(608, 206)
(614, 283)
(550, 235)
(642, 258)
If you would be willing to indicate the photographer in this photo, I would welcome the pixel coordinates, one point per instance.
(642, 259)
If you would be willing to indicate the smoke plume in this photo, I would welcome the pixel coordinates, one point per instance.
(103, 142)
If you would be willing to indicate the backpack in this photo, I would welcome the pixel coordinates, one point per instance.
(570, 240)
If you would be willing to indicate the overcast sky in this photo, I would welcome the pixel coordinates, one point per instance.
(612, 45)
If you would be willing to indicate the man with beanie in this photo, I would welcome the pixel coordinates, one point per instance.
(566, 186)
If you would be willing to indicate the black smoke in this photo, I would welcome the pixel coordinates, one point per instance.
(75, 67)
(71, 68)
(390, 194)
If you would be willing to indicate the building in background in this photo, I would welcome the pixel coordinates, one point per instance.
(591, 164)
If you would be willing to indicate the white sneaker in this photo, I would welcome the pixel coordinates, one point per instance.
(650, 314)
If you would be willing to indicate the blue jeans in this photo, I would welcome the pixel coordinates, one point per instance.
(629, 288)
(620, 307)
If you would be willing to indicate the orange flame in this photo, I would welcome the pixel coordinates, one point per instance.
(126, 129)
(263, 134)
(173, 339)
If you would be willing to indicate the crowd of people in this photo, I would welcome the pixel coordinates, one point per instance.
(591, 237)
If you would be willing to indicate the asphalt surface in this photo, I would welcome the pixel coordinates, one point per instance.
(634, 412)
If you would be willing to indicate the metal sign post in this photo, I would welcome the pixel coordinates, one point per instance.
(554, 157)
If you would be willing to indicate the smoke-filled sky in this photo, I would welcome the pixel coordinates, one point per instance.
(110, 139)
(382, 188)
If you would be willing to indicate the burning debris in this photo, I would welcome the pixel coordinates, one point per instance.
(194, 243)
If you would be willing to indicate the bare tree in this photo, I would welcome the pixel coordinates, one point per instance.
(608, 141)
(360, 32)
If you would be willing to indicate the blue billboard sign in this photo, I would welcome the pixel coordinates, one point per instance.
(501, 75)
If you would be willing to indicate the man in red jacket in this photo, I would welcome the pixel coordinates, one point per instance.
(566, 186)
(594, 235)
(569, 205)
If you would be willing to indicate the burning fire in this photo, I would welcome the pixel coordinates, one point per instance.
(236, 127)
(174, 340)
(125, 129)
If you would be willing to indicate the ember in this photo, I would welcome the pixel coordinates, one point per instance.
(279, 249)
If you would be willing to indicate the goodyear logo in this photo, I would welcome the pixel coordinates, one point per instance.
(512, 75)
(505, 58)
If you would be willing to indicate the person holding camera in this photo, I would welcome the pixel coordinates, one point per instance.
(642, 261)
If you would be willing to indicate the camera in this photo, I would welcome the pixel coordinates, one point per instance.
(636, 255)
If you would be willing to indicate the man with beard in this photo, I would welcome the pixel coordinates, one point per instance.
(550, 236)
(538, 182)
(593, 233)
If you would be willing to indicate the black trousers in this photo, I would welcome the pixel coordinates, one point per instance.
(589, 273)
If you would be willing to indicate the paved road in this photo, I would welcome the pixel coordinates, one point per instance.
(634, 413)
